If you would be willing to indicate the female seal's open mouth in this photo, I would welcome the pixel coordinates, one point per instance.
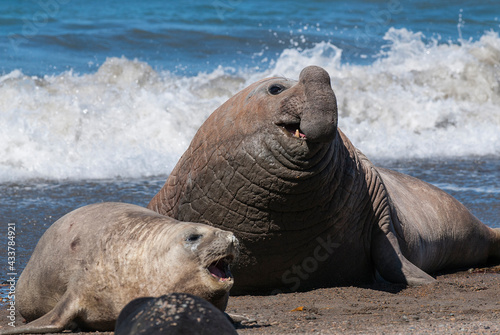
(220, 269)
(293, 129)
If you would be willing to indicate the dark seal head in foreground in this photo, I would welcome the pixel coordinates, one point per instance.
(94, 260)
(310, 209)
(175, 313)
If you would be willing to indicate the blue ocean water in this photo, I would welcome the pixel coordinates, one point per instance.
(49, 36)
(94, 89)
(98, 99)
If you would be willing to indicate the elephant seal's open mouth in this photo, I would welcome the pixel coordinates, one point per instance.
(219, 269)
(293, 129)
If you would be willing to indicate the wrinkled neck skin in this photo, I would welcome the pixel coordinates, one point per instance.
(280, 205)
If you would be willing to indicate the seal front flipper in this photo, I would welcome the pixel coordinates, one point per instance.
(55, 321)
(390, 262)
(239, 319)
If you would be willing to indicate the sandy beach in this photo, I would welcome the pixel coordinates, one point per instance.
(465, 302)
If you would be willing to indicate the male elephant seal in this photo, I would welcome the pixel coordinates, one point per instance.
(175, 313)
(310, 209)
(93, 261)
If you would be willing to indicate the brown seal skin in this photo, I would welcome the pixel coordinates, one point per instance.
(93, 261)
(309, 209)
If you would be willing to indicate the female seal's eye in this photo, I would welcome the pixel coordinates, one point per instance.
(193, 237)
(276, 89)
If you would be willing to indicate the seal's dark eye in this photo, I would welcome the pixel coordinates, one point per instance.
(276, 89)
(193, 237)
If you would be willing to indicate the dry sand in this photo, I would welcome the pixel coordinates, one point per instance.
(466, 302)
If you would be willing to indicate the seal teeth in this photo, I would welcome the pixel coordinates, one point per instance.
(293, 129)
(298, 134)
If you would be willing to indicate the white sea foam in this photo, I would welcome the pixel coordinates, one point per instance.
(416, 100)
(489, 189)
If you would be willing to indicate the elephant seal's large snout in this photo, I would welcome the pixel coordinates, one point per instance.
(319, 115)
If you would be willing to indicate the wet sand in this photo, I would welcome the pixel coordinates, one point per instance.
(466, 302)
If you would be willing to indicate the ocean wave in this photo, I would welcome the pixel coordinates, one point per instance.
(489, 189)
(418, 99)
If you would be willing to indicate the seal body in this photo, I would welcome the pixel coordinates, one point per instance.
(309, 209)
(93, 261)
(175, 313)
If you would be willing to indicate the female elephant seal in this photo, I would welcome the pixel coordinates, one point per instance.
(93, 261)
(310, 209)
